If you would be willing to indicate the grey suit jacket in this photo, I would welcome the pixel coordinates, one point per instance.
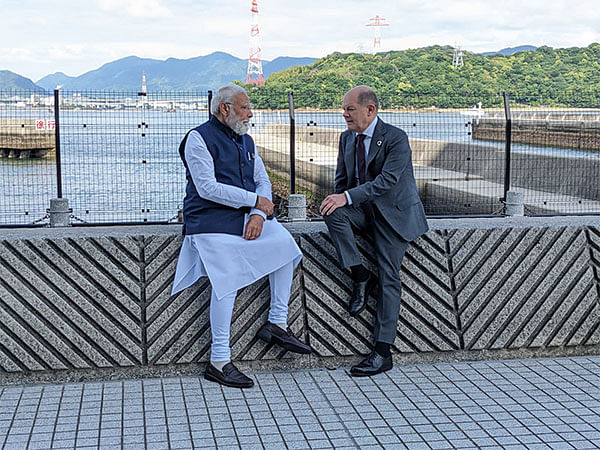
(390, 181)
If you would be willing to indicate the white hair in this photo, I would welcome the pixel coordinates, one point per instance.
(225, 95)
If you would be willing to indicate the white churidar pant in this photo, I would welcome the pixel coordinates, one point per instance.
(231, 263)
(221, 311)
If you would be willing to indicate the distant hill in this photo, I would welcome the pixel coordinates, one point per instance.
(511, 50)
(199, 73)
(425, 77)
(10, 80)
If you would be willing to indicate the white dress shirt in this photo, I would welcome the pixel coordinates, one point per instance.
(368, 137)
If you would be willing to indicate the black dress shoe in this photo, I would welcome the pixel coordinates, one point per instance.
(274, 334)
(360, 294)
(374, 364)
(230, 376)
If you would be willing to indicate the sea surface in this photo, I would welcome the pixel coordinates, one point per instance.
(123, 166)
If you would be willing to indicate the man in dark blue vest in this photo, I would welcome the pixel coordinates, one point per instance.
(375, 193)
(230, 234)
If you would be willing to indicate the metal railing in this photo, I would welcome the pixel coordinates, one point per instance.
(114, 156)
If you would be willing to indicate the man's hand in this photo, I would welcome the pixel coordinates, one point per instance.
(332, 202)
(265, 205)
(254, 227)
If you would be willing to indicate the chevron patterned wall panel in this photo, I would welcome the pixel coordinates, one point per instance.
(250, 313)
(73, 302)
(69, 304)
(332, 331)
(593, 237)
(428, 312)
(178, 328)
(427, 315)
(519, 288)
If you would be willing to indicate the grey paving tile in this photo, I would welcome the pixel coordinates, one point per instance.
(137, 439)
(343, 444)
(184, 444)
(442, 444)
(528, 439)
(271, 438)
(297, 445)
(39, 445)
(67, 443)
(319, 443)
(86, 442)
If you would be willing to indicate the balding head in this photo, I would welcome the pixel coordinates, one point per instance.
(365, 96)
(360, 108)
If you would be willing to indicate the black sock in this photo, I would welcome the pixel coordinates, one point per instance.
(359, 273)
(383, 348)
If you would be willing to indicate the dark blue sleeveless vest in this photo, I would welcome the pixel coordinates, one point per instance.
(233, 157)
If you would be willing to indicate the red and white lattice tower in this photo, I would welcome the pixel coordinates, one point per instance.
(255, 72)
(144, 88)
(377, 22)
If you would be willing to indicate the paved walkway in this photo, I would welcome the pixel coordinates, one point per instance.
(542, 403)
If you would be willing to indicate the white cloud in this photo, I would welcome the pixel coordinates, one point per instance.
(139, 9)
(40, 38)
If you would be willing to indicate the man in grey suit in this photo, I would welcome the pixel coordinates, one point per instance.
(375, 193)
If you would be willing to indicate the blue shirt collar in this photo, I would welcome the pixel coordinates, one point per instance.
(370, 129)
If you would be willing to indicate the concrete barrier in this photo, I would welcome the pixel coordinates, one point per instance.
(565, 175)
(578, 131)
(90, 303)
(19, 138)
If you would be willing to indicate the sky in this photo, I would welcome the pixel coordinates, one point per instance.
(38, 38)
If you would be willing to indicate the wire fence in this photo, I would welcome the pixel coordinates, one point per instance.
(116, 158)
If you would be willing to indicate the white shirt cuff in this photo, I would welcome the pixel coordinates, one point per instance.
(348, 197)
(252, 198)
(259, 212)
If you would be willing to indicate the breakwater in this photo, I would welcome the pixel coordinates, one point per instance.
(25, 138)
(575, 130)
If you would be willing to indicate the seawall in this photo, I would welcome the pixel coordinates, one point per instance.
(552, 131)
(94, 302)
(19, 138)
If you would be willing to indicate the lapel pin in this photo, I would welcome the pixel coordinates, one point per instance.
(379, 142)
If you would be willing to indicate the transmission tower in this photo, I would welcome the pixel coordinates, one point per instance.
(255, 72)
(377, 22)
(144, 90)
(457, 58)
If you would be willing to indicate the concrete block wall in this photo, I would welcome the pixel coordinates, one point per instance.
(91, 299)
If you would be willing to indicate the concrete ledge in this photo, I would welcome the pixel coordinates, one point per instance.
(94, 302)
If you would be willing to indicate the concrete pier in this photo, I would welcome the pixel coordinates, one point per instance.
(19, 138)
(579, 131)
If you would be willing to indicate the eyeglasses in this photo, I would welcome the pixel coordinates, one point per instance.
(247, 107)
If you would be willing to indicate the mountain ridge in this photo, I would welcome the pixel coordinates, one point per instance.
(196, 73)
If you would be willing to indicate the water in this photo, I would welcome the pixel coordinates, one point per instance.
(123, 165)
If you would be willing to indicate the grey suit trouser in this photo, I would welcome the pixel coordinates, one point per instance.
(389, 252)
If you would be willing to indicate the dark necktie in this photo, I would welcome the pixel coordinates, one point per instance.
(360, 157)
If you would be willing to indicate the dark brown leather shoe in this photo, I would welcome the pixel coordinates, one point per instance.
(274, 334)
(230, 376)
(360, 295)
(374, 364)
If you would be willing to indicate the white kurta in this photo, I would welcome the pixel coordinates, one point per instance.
(230, 262)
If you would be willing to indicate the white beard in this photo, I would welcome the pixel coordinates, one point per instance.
(238, 126)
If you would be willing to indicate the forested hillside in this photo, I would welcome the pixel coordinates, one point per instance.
(425, 77)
